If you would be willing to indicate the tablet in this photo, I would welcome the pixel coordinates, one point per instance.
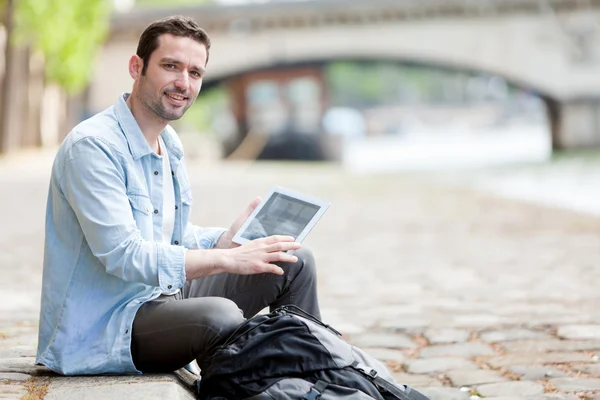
(282, 212)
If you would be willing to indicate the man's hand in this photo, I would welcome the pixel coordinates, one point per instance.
(225, 239)
(258, 256)
(255, 257)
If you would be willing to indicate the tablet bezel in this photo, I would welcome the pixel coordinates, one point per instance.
(322, 204)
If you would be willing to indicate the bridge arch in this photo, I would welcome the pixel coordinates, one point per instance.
(546, 45)
(240, 80)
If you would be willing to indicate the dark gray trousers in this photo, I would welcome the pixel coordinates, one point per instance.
(171, 331)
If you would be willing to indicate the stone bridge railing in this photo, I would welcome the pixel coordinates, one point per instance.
(273, 15)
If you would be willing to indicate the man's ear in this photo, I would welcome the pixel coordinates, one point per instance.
(135, 66)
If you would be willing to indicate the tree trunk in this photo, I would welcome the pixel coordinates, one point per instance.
(8, 136)
(33, 124)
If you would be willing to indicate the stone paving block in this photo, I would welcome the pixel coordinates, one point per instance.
(465, 350)
(384, 354)
(147, 386)
(476, 320)
(535, 372)
(545, 358)
(539, 346)
(141, 390)
(519, 389)
(430, 365)
(579, 332)
(21, 340)
(12, 391)
(553, 396)
(474, 377)
(410, 324)
(505, 398)
(592, 369)
(347, 329)
(24, 365)
(441, 335)
(414, 380)
(381, 339)
(503, 335)
(576, 384)
(444, 393)
(18, 351)
(14, 376)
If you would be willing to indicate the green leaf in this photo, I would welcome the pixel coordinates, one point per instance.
(67, 33)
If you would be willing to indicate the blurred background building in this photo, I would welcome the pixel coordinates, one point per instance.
(374, 84)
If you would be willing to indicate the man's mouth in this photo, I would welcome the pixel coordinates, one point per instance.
(176, 97)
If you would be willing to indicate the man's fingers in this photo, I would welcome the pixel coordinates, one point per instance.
(244, 216)
(247, 212)
(252, 206)
(288, 258)
(264, 268)
(281, 257)
(274, 269)
(277, 238)
(283, 246)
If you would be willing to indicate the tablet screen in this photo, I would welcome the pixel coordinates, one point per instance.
(281, 215)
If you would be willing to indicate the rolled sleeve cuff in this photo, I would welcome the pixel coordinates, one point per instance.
(171, 267)
(209, 237)
(218, 233)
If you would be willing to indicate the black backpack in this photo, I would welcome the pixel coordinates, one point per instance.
(289, 354)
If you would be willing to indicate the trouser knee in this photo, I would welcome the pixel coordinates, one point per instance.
(219, 321)
(304, 271)
(223, 316)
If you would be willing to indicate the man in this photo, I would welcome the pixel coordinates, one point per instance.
(129, 285)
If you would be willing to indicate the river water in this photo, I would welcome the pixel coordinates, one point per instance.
(513, 162)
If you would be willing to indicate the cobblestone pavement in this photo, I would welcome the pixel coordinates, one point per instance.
(461, 293)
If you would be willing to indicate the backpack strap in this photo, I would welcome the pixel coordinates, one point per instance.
(406, 394)
(316, 391)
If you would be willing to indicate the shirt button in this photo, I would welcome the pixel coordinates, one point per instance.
(155, 211)
(177, 207)
(169, 287)
(176, 242)
(155, 172)
(172, 173)
(127, 331)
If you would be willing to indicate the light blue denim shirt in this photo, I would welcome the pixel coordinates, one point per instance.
(103, 255)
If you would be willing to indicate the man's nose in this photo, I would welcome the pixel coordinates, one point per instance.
(182, 81)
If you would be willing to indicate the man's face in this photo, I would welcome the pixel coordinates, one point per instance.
(173, 77)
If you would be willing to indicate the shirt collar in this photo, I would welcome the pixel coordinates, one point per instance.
(138, 145)
(172, 142)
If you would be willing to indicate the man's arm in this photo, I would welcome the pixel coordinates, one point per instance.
(254, 257)
(93, 182)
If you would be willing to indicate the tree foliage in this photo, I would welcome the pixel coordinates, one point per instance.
(67, 33)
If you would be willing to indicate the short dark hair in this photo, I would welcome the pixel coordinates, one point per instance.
(176, 25)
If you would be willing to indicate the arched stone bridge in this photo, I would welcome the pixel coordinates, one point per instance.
(549, 46)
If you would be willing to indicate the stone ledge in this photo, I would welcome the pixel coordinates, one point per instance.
(145, 387)
(98, 387)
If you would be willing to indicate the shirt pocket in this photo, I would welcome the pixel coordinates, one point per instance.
(141, 207)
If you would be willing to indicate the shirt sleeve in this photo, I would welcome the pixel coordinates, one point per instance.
(93, 182)
(196, 237)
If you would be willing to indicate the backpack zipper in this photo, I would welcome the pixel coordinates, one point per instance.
(295, 310)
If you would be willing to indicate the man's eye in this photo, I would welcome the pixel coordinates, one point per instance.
(170, 66)
(196, 74)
